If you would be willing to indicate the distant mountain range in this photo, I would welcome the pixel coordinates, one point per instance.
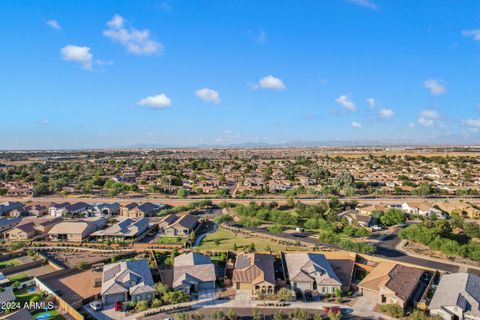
(302, 143)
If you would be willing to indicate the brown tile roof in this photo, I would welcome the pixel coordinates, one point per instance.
(400, 279)
(254, 268)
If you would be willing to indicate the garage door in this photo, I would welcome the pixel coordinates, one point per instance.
(112, 298)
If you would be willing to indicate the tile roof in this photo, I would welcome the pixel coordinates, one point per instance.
(400, 279)
(254, 268)
(310, 267)
(458, 290)
(117, 277)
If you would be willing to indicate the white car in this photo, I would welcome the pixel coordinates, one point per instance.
(376, 228)
(96, 305)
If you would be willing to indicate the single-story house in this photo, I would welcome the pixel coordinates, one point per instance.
(354, 216)
(58, 209)
(105, 209)
(312, 272)
(254, 272)
(193, 272)
(457, 297)
(31, 227)
(127, 280)
(36, 210)
(75, 231)
(182, 227)
(8, 223)
(12, 208)
(126, 229)
(391, 283)
(135, 210)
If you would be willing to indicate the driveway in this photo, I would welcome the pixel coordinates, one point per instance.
(364, 305)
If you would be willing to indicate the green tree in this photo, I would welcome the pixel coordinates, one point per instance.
(392, 217)
(217, 315)
(285, 295)
(231, 314)
(256, 314)
(182, 193)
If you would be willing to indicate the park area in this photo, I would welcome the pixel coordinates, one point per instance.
(226, 240)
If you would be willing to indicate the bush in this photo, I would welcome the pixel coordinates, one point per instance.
(393, 310)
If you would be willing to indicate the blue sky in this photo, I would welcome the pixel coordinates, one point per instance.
(95, 74)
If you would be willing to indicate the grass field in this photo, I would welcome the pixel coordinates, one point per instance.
(226, 239)
(24, 295)
(10, 263)
(19, 277)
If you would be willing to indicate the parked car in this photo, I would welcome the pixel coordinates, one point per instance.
(298, 295)
(308, 296)
(376, 228)
(118, 306)
(96, 305)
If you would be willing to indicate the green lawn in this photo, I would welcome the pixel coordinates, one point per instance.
(10, 263)
(226, 239)
(24, 296)
(170, 240)
(53, 315)
(19, 277)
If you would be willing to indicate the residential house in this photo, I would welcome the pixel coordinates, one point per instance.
(36, 210)
(32, 227)
(311, 271)
(11, 208)
(167, 220)
(354, 216)
(105, 210)
(126, 229)
(78, 209)
(254, 272)
(75, 231)
(423, 209)
(135, 210)
(58, 209)
(182, 227)
(6, 295)
(368, 209)
(19, 192)
(193, 272)
(457, 297)
(127, 280)
(391, 283)
(8, 223)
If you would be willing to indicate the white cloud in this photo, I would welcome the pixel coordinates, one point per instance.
(259, 37)
(160, 101)
(208, 95)
(471, 122)
(427, 118)
(364, 3)
(356, 125)
(371, 102)
(44, 122)
(344, 101)
(78, 54)
(165, 7)
(270, 83)
(436, 87)
(54, 24)
(386, 113)
(136, 41)
(474, 34)
(411, 125)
